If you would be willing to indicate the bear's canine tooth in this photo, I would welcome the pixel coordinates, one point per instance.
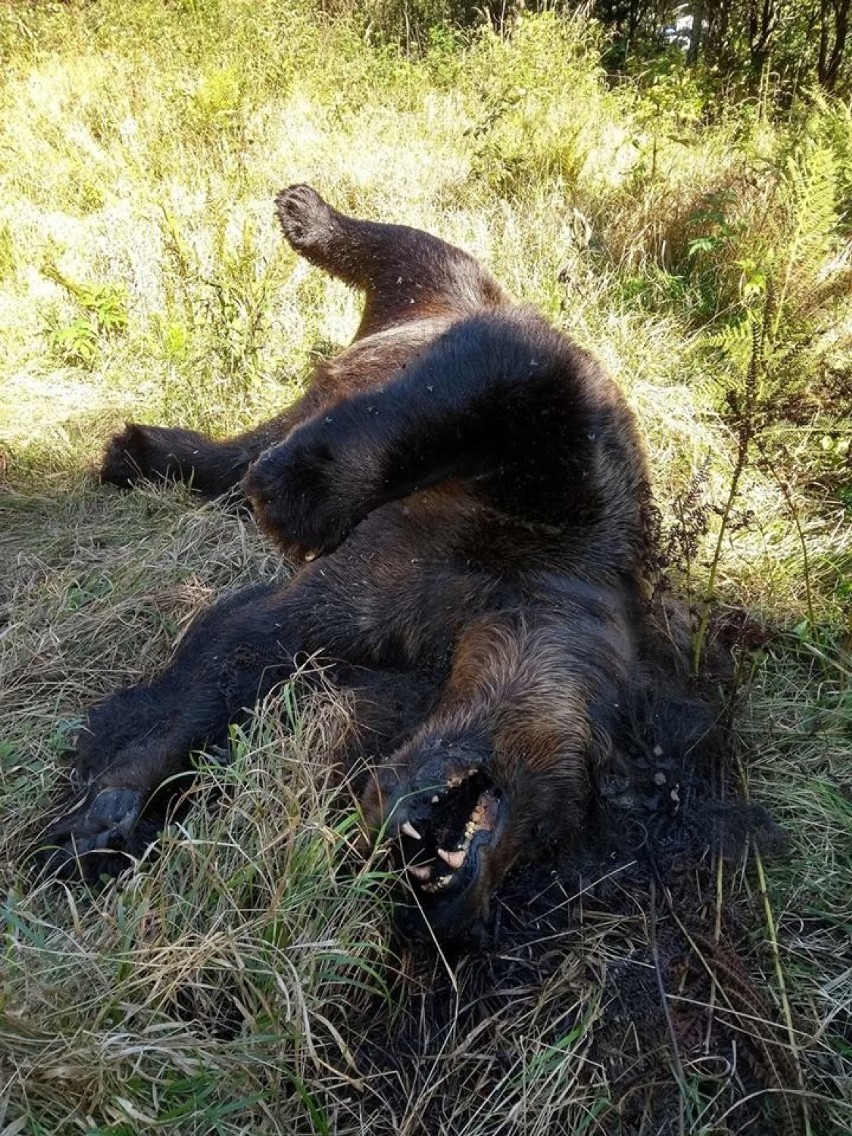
(421, 873)
(454, 859)
(409, 830)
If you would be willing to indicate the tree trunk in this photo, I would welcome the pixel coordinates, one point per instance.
(696, 34)
(833, 30)
(717, 47)
(762, 22)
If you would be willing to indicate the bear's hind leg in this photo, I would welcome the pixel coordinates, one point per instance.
(405, 274)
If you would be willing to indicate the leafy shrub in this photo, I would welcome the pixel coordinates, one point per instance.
(104, 315)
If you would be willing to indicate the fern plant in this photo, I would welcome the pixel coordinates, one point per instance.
(775, 376)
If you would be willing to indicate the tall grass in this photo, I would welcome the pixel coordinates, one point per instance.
(700, 251)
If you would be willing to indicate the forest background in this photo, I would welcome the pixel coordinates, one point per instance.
(672, 185)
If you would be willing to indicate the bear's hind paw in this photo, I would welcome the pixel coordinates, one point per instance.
(98, 837)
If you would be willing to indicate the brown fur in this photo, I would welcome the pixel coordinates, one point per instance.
(471, 495)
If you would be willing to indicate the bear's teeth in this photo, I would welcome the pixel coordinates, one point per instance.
(454, 859)
(409, 830)
(443, 882)
(422, 874)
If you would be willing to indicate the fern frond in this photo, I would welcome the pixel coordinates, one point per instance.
(808, 190)
(735, 340)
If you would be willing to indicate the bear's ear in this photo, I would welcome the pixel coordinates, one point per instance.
(132, 446)
(134, 439)
(125, 460)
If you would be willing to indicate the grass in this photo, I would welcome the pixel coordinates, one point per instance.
(246, 979)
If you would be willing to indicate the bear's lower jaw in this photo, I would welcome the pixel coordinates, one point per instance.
(454, 907)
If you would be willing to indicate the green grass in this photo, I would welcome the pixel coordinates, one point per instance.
(701, 253)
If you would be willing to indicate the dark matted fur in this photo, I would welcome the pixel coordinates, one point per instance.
(467, 494)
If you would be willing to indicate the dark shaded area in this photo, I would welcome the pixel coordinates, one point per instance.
(625, 941)
(745, 44)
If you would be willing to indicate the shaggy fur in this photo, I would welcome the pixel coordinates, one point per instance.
(467, 495)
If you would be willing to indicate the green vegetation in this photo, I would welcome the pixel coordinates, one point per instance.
(700, 245)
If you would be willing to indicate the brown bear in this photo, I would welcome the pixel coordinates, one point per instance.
(466, 495)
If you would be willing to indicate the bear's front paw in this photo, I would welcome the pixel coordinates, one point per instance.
(305, 218)
(301, 497)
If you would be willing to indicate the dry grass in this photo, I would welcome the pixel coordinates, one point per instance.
(244, 977)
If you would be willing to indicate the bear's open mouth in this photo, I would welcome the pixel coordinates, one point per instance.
(444, 829)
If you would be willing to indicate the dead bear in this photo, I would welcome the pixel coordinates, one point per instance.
(466, 494)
